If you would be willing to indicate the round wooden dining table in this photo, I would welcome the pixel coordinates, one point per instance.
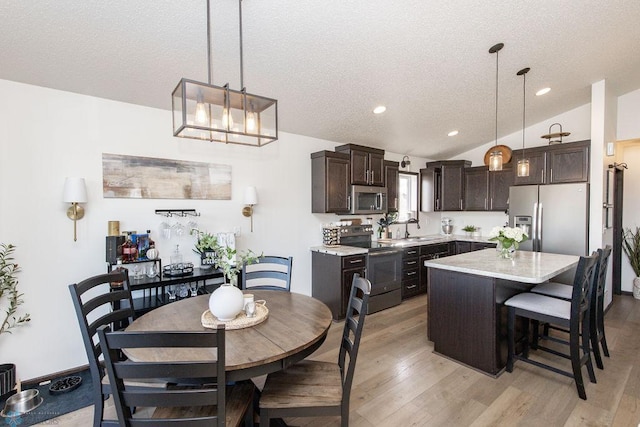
(295, 327)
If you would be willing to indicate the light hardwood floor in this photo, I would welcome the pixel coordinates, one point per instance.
(400, 382)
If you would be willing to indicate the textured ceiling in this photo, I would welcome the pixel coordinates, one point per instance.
(329, 62)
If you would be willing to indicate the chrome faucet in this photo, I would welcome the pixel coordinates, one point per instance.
(406, 226)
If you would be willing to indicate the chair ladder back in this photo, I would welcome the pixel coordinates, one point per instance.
(110, 299)
(357, 305)
(605, 255)
(253, 272)
(113, 343)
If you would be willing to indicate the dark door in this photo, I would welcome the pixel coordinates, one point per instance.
(452, 187)
(499, 183)
(359, 167)
(476, 188)
(568, 164)
(616, 254)
(376, 169)
(536, 167)
(338, 188)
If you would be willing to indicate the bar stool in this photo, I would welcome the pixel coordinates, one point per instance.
(572, 314)
(596, 314)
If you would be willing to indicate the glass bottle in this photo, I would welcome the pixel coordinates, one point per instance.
(129, 250)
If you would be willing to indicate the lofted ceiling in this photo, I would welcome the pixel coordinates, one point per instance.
(330, 62)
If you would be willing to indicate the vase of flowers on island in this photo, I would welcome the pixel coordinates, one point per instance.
(509, 239)
(227, 301)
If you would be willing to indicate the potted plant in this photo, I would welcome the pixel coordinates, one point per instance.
(205, 246)
(469, 230)
(508, 238)
(10, 300)
(631, 247)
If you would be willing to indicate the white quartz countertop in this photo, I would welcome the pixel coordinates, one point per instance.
(339, 250)
(400, 243)
(527, 267)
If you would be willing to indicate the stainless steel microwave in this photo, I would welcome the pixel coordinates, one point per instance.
(368, 200)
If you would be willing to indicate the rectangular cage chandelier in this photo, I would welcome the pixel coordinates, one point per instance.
(217, 113)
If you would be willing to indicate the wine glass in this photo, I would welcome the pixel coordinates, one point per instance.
(165, 230)
(178, 229)
(172, 293)
(152, 270)
(193, 287)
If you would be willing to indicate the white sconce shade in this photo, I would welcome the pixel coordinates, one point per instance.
(250, 199)
(75, 191)
(250, 196)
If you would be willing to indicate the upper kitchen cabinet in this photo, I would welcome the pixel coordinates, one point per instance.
(367, 164)
(391, 171)
(555, 164)
(330, 185)
(487, 191)
(443, 185)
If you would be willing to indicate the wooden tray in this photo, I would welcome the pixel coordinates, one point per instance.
(241, 321)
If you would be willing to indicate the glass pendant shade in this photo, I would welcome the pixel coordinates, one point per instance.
(214, 113)
(523, 167)
(495, 161)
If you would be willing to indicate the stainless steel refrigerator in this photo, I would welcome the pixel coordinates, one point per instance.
(555, 217)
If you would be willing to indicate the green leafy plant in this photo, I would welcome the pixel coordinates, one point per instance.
(469, 228)
(631, 247)
(9, 290)
(228, 260)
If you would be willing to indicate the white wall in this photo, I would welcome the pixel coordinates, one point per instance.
(47, 135)
(628, 130)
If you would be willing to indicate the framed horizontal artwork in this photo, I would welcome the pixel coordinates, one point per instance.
(136, 177)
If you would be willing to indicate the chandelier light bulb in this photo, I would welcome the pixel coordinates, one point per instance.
(251, 121)
(201, 113)
(523, 167)
(227, 120)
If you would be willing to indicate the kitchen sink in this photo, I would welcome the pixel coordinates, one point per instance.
(411, 239)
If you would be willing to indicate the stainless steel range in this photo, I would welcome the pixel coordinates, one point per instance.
(384, 266)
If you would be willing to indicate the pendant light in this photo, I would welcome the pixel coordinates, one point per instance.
(495, 158)
(217, 113)
(523, 164)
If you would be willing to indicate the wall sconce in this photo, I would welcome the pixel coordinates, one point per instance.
(250, 199)
(75, 192)
(405, 162)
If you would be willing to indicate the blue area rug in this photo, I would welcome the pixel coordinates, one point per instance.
(53, 405)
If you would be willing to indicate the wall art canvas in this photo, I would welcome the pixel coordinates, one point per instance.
(151, 178)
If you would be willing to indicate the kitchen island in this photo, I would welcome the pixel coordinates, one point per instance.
(466, 295)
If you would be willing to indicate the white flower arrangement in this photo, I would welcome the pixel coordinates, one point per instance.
(508, 236)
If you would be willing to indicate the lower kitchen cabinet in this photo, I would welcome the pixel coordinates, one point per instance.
(411, 272)
(331, 278)
(464, 247)
(428, 252)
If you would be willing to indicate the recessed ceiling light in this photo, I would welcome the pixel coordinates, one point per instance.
(452, 133)
(543, 91)
(379, 109)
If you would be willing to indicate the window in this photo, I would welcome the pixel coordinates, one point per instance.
(407, 196)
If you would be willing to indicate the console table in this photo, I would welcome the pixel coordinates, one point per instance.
(155, 289)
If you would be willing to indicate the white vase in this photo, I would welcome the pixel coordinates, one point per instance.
(226, 302)
(636, 287)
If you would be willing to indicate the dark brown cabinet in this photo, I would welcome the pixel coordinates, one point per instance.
(367, 164)
(428, 252)
(331, 278)
(555, 164)
(411, 272)
(568, 163)
(391, 171)
(487, 191)
(330, 185)
(442, 187)
(464, 247)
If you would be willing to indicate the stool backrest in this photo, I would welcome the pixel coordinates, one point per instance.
(583, 284)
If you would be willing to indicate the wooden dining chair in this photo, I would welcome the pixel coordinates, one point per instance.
(573, 315)
(101, 300)
(269, 273)
(211, 402)
(312, 388)
(596, 313)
